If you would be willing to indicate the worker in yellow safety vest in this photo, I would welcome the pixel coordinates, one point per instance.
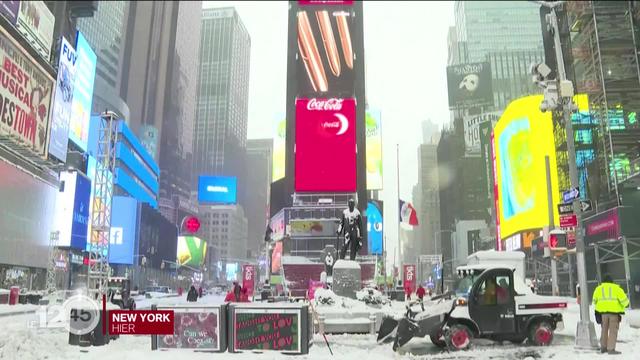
(609, 301)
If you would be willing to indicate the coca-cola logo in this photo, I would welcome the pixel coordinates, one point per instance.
(325, 104)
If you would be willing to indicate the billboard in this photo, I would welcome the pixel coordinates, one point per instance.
(279, 150)
(72, 210)
(325, 52)
(191, 251)
(374, 226)
(306, 228)
(472, 136)
(248, 278)
(373, 128)
(325, 149)
(149, 140)
(59, 138)
(35, 23)
(10, 10)
(469, 85)
(276, 257)
(409, 277)
(25, 97)
(522, 138)
(82, 93)
(217, 189)
(124, 230)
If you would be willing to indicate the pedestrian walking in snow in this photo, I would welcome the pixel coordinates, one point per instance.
(192, 295)
(610, 301)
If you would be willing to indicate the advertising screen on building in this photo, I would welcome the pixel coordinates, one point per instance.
(10, 10)
(217, 189)
(374, 226)
(325, 155)
(191, 251)
(305, 228)
(72, 210)
(522, 138)
(325, 51)
(279, 150)
(276, 257)
(469, 85)
(472, 136)
(374, 149)
(82, 93)
(59, 138)
(196, 329)
(25, 97)
(124, 230)
(36, 23)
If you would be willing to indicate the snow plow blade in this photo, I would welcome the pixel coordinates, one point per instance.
(388, 329)
(407, 329)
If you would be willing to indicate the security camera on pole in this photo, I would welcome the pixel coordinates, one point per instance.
(558, 96)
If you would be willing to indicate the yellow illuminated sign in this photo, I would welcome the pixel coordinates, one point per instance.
(522, 138)
(374, 150)
(279, 145)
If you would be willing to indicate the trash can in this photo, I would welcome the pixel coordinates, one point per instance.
(14, 295)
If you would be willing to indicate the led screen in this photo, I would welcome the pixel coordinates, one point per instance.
(124, 226)
(59, 137)
(522, 138)
(191, 251)
(217, 190)
(325, 154)
(374, 226)
(279, 149)
(374, 149)
(82, 92)
(72, 210)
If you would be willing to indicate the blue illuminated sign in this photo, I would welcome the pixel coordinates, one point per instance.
(82, 93)
(80, 217)
(63, 97)
(374, 227)
(217, 190)
(124, 223)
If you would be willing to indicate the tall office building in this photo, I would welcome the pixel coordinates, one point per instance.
(106, 33)
(259, 160)
(221, 119)
(160, 68)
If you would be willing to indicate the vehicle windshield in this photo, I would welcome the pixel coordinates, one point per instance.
(464, 284)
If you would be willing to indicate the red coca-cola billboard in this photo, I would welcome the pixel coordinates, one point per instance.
(409, 278)
(248, 278)
(325, 150)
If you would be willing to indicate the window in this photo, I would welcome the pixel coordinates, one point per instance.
(495, 290)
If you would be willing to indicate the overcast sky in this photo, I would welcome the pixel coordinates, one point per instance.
(405, 57)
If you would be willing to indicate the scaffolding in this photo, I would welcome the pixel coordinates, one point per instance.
(52, 286)
(98, 268)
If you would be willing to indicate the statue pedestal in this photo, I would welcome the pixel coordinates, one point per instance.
(347, 278)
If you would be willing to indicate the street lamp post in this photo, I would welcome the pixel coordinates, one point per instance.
(441, 253)
(558, 96)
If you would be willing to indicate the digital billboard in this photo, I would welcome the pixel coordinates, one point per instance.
(374, 149)
(522, 138)
(306, 228)
(72, 210)
(124, 230)
(82, 93)
(279, 150)
(374, 227)
(191, 251)
(325, 149)
(59, 138)
(325, 51)
(276, 257)
(10, 10)
(469, 85)
(217, 189)
(25, 97)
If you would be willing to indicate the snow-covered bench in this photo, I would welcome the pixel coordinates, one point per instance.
(352, 323)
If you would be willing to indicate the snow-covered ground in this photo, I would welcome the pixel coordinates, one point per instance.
(19, 341)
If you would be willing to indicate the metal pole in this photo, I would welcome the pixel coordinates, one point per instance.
(627, 271)
(572, 287)
(398, 188)
(585, 332)
(554, 263)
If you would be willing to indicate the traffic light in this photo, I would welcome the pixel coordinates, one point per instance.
(557, 240)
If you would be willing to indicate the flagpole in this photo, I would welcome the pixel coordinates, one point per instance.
(398, 202)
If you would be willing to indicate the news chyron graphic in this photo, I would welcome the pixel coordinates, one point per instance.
(191, 251)
(374, 149)
(279, 149)
(217, 189)
(522, 138)
(78, 315)
(59, 138)
(24, 100)
(325, 157)
(82, 92)
(325, 50)
(374, 226)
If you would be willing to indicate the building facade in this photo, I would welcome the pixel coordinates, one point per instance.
(224, 228)
(221, 120)
(259, 160)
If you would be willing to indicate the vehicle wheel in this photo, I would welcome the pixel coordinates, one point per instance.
(458, 337)
(438, 339)
(133, 305)
(541, 334)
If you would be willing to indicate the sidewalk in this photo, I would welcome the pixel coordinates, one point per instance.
(19, 309)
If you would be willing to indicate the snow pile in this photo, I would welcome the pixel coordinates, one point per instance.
(325, 297)
(371, 297)
(346, 264)
(296, 260)
(17, 309)
(4, 291)
(634, 318)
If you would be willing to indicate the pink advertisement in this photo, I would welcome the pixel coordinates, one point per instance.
(248, 278)
(409, 278)
(325, 150)
(608, 224)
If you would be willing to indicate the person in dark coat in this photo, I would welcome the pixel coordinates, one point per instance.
(200, 291)
(236, 291)
(192, 295)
